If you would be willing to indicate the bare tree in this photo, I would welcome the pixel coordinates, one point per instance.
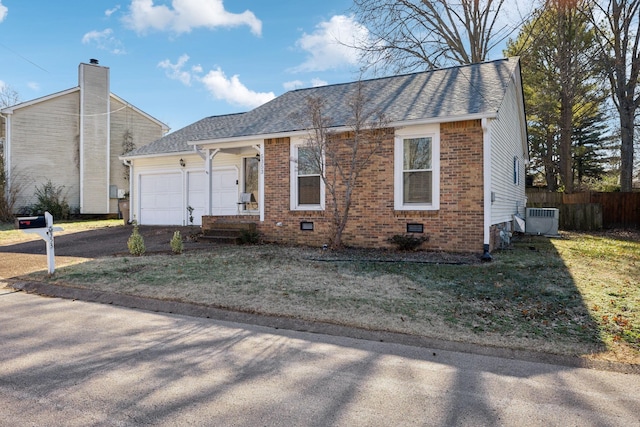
(410, 35)
(9, 188)
(618, 29)
(8, 96)
(342, 156)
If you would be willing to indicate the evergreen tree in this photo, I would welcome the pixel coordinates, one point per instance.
(560, 86)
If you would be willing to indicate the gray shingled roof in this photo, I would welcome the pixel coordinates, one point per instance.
(445, 93)
(177, 142)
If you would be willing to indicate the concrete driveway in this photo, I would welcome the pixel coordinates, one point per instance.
(72, 363)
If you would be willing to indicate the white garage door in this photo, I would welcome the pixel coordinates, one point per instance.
(161, 199)
(224, 191)
(196, 195)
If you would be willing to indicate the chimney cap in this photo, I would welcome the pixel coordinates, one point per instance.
(93, 61)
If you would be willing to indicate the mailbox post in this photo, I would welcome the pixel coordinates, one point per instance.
(42, 225)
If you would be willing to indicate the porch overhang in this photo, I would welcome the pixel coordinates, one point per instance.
(241, 141)
(208, 150)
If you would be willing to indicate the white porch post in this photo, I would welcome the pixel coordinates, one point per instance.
(208, 160)
(207, 170)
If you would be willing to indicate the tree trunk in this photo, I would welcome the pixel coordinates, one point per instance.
(549, 166)
(566, 133)
(626, 149)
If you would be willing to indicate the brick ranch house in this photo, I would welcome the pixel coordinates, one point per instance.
(466, 123)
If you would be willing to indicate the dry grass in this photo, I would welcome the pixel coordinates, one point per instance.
(9, 234)
(578, 295)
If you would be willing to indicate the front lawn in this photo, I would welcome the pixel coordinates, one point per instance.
(576, 295)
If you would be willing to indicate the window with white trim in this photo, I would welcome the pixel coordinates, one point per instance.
(307, 187)
(417, 172)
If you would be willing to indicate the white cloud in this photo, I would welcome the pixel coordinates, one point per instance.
(3, 11)
(332, 44)
(318, 82)
(110, 12)
(293, 85)
(104, 40)
(185, 15)
(34, 86)
(297, 84)
(233, 91)
(175, 71)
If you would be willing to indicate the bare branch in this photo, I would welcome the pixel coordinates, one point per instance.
(410, 35)
(341, 157)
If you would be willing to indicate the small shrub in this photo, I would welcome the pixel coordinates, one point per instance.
(50, 199)
(407, 242)
(136, 242)
(249, 237)
(176, 243)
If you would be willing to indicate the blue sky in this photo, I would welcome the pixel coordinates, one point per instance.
(179, 60)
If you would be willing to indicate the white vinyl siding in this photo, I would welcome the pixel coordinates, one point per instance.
(94, 139)
(508, 157)
(142, 130)
(45, 146)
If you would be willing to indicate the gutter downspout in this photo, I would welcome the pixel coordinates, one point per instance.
(130, 165)
(486, 172)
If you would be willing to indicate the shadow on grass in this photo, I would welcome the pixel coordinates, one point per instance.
(525, 298)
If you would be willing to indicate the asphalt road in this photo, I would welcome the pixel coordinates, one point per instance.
(72, 363)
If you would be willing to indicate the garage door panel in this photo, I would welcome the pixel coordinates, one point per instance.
(161, 199)
(196, 196)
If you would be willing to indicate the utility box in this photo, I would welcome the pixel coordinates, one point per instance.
(31, 222)
(542, 221)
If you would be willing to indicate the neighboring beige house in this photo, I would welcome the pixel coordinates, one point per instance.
(73, 138)
(452, 168)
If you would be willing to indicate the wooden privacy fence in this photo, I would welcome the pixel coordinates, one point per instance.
(590, 210)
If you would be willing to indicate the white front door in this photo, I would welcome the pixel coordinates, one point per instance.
(224, 191)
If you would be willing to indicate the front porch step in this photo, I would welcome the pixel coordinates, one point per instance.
(224, 232)
(227, 231)
(221, 239)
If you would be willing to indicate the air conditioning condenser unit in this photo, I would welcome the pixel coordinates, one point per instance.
(542, 221)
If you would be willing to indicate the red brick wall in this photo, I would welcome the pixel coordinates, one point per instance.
(457, 226)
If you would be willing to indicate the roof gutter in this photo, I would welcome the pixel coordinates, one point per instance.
(146, 156)
(233, 141)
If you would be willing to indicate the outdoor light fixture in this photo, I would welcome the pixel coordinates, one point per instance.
(182, 163)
